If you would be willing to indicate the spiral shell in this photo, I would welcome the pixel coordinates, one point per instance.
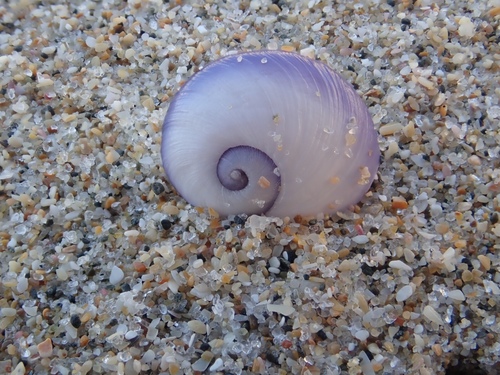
(269, 132)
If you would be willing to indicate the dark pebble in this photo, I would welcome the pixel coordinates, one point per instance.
(126, 287)
(239, 220)
(166, 224)
(494, 218)
(158, 188)
(322, 335)
(75, 321)
(367, 270)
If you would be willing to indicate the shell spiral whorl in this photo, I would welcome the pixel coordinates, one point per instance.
(269, 132)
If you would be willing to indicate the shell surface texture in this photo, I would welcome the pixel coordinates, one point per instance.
(269, 132)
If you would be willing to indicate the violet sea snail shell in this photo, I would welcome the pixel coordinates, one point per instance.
(269, 132)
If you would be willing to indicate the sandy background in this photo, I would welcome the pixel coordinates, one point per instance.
(104, 269)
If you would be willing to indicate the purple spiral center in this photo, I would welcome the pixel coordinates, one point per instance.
(247, 169)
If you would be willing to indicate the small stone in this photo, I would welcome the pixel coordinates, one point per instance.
(112, 155)
(258, 366)
(173, 368)
(166, 224)
(404, 293)
(86, 367)
(426, 83)
(130, 335)
(75, 321)
(20, 107)
(158, 188)
(22, 285)
(200, 365)
(84, 340)
(68, 117)
(491, 287)
(227, 277)
(86, 317)
(493, 112)
(216, 365)
(228, 236)
(474, 160)
(377, 367)
(281, 309)
(109, 202)
(149, 356)
(442, 228)
(123, 73)
(128, 40)
(457, 295)
(399, 265)
(362, 335)
(366, 365)
(116, 275)
(348, 265)
(173, 286)
(139, 267)
(129, 53)
(15, 141)
(90, 42)
(395, 95)
(435, 211)
(437, 349)
(485, 262)
(30, 310)
(207, 355)
(101, 47)
(7, 311)
(466, 28)
(343, 253)
(399, 203)
(149, 104)
(409, 255)
(49, 50)
(390, 129)
(45, 348)
(274, 262)
(431, 314)
(197, 327)
(361, 239)
(197, 263)
(467, 276)
(363, 304)
(19, 370)
(308, 52)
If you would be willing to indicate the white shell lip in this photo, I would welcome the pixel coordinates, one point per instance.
(298, 111)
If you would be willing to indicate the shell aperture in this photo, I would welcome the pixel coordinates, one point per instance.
(269, 132)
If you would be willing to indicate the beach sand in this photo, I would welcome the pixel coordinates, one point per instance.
(105, 269)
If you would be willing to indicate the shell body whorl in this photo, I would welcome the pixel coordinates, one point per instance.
(269, 132)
